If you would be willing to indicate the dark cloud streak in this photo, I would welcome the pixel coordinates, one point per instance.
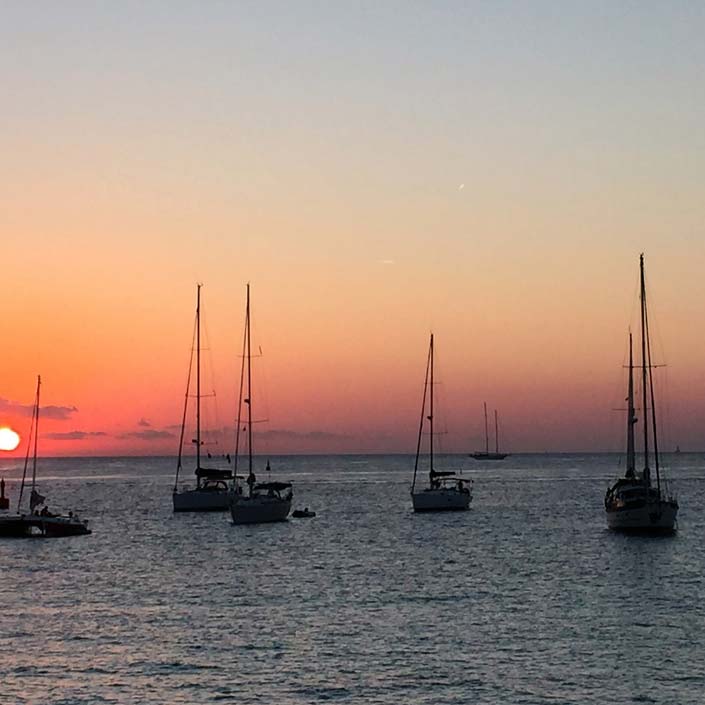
(73, 435)
(148, 435)
(56, 413)
(306, 436)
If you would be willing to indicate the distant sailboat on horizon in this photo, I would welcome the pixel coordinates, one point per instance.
(486, 454)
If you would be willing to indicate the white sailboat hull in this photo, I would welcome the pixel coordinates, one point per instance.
(259, 509)
(655, 517)
(199, 500)
(442, 499)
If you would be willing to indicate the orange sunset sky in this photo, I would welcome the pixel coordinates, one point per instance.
(488, 171)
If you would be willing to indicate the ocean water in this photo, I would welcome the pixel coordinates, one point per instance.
(526, 598)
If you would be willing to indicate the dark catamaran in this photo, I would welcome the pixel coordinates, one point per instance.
(445, 491)
(486, 454)
(39, 522)
(211, 491)
(634, 503)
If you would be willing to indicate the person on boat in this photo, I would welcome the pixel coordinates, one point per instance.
(251, 479)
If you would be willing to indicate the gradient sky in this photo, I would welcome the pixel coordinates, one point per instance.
(488, 170)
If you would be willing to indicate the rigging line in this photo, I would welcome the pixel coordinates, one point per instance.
(651, 392)
(198, 386)
(249, 383)
(183, 417)
(430, 416)
(423, 411)
(210, 412)
(239, 405)
(26, 459)
(642, 293)
(36, 434)
(261, 387)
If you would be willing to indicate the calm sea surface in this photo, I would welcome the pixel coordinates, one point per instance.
(526, 598)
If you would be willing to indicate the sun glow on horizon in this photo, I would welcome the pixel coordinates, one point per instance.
(9, 439)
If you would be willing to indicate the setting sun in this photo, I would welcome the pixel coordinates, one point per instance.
(9, 439)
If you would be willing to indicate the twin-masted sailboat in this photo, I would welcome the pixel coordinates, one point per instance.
(445, 491)
(634, 503)
(261, 502)
(38, 522)
(486, 454)
(211, 492)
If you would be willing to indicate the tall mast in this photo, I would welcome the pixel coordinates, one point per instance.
(423, 412)
(198, 383)
(644, 370)
(487, 437)
(631, 415)
(496, 433)
(430, 418)
(249, 381)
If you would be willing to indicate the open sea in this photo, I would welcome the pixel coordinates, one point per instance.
(526, 598)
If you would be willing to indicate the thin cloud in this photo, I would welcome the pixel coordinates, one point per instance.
(285, 434)
(56, 413)
(73, 435)
(144, 423)
(149, 435)
(386, 261)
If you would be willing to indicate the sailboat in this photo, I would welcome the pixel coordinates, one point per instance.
(262, 501)
(211, 491)
(486, 455)
(39, 522)
(634, 503)
(446, 491)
